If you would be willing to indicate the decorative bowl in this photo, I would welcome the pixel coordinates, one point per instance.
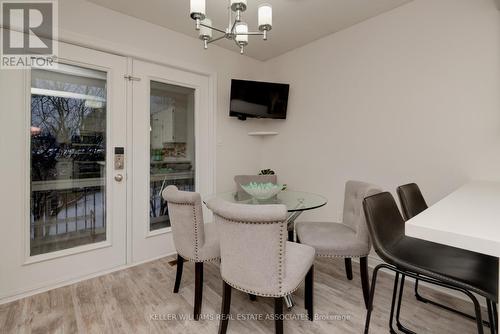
(262, 191)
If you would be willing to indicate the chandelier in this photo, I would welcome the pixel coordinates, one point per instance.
(237, 30)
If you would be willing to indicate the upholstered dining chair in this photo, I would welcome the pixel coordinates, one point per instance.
(245, 179)
(437, 264)
(257, 259)
(194, 241)
(349, 239)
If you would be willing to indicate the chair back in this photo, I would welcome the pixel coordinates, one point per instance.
(186, 218)
(252, 244)
(353, 215)
(411, 199)
(385, 224)
(246, 179)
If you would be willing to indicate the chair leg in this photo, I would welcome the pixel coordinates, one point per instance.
(417, 295)
(372, 295)
(198, 289)
(495, 313)
(309, 294)
(178, 275)
(278, 314)
(491, 316)
(394, 292)
(477, 309)
(398, 309)
(365, 280)
(348, 268)
(252, 297)
(425, 300)
(226, 306)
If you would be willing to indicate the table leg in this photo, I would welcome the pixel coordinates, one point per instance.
(289, 302)
(290, 224)
(291, 231)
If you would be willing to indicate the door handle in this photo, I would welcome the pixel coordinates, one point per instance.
(118, 178)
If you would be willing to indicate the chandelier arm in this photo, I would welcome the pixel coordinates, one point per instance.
(213, 28)
(233, 26)
(216, 39)
(232, 23)
(250, 33)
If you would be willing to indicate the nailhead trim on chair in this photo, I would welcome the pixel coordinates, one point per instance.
(198, 261)
(280, 261)
(263, 294)
(196, 248)
(340, 256)
(246, 222)
(180, 203)
(195, 234)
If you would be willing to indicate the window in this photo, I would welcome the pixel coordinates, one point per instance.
(68, 158)
(171, 146)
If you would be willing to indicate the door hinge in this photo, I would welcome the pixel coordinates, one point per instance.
(131, 78)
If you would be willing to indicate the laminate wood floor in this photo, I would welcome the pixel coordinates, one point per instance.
(140, 300)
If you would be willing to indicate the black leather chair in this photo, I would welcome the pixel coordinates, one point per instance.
(412, 203)
(445, 266)
(411, 199)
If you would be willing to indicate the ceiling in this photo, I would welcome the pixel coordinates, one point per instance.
(295, 22)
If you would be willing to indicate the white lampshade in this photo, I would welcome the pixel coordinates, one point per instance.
(265, 16)
(197, 8)
(241, 28)
(206, 33)
(238, 5)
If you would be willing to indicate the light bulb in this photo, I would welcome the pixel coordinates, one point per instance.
(241, 28)
(197, 9)
(205, 32)
(265, 17)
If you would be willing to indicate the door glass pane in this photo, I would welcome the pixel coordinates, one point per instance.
(171, 146)
(68, 158)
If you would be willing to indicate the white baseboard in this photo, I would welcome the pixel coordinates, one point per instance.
(60, 284)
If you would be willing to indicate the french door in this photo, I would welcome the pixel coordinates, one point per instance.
(172, 131)
(83, 170)
(64, 171)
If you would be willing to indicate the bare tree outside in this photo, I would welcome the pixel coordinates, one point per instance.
(68, 143)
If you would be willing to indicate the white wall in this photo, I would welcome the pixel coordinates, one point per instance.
(101, 27)
(411, 95)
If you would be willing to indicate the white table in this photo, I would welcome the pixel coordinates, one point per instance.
(468, 218)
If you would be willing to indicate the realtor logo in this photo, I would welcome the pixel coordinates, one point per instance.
(29, 34)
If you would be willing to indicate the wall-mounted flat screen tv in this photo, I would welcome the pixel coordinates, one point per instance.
(255, 99)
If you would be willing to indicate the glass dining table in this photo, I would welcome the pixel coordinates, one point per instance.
(296, 203)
